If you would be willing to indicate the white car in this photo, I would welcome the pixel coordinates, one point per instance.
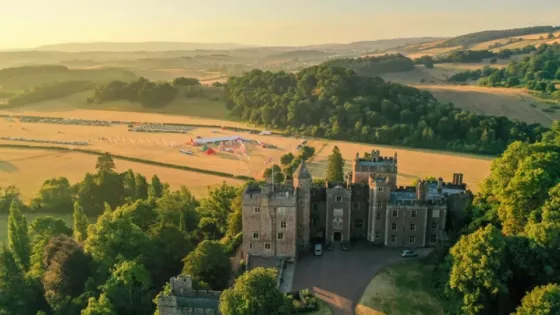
(318, 250)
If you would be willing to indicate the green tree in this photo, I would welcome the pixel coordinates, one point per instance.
(81, 223)
(128, 289)
(18, 237)
(209, 264)
(287, 158)
(544, 229)
(142, 212)
(89, 195)
(306, 152)
(115, 235)
(48, 226)
(105, 163)
(99, 306)
(54, 196)
(157, 187)
(7, 196)
(265, 298)
(217, 206)
(129, 184)
(543, 300)
(335, 167)
(15, 292)
(141, 187)
(479, 271)
(278, 175)
(235, 223)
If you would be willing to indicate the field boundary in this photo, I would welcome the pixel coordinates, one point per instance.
(130, 159)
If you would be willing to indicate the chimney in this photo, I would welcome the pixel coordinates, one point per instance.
(440, 185)
(421, 190)
(460, 179)
(395, 158)
(289, 181)
(455, 178)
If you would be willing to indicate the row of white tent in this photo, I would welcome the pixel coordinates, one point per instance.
(64, 121)
(45, 141)
(162, 128)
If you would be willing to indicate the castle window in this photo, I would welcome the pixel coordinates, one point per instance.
(280, 236)
(337, 223)
(266, 245)
(379, 204)
(315, 207)
(393, 238)
(250, 245)
(413, 213)
(281, 210)
(412, 239)
(377, 235)
(338, 198)
(434, 225)
(301, 203)
(359, 223)
(435, 213)
(338, 213)
(379, 188)
(394, 226)
(413, 227)
(433, 238)
(356, 206)
(395, 213)
(255, 235)
(378, 216)
(315, 222)
(301, 185)
(257, 209)
(283, 224)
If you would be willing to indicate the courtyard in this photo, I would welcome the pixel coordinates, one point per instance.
(340, 277)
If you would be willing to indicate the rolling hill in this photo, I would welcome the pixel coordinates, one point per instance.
(139, 46)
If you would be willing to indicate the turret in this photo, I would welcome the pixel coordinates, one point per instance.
(421, 190)
(302, 177)
(440, 185)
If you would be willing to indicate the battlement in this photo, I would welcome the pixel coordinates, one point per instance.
(376, 157)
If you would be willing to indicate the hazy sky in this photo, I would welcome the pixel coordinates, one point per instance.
(29, 23)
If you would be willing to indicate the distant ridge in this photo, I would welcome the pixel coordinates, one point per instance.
(479, 37)
(137, 46)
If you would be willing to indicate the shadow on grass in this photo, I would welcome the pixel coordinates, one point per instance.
(8, 167)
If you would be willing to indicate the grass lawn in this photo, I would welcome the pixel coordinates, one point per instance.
(402, 289)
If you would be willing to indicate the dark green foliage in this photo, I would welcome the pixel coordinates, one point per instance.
(149, 94)
(336, 103)
(50, 91)
(8, 195)
(80, 223)
(479, 37)
(466, 56)
(186, 81)
(179, 206)
(306, 152)
(15, 293)
(215, 210)
(544, 300)
(128, 289)
(287, 158)
(142, 212)
(55, 196)
(18, 237)
(208, 264)
(260, 285)
(157, 187)
(335, 166)
(8, 73)
(47, 226)
(278, 174)
(372, 66)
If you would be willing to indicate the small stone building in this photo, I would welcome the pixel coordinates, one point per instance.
(280, 220)
(183, 300)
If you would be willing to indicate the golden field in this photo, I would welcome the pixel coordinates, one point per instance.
(29, 168)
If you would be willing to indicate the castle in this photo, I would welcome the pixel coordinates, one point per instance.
(282, 220)
(183, 300)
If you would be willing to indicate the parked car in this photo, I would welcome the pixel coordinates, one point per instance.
(318, 250)
(407, 253)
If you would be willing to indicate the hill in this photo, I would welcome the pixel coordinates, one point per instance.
(372, 66)
(478, 37)
(138, 46)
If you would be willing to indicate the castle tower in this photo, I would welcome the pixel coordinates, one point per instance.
(302, 183)
(380, 192)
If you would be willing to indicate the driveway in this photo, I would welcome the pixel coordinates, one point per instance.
(340, 278)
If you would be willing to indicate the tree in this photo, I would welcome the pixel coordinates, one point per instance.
(105, 163)
(55, 196)
(99, 306)
(306, 152)
(88, 195)
(129, 184)
(209, 264)
(217, 206)
(479, 271)
(15, 293)
(18, 237)
(335, 167)
(115, 235)
(287, 158)
(67, 269)
(80, 223)
(157, 187)
(278, 175)
(141, 187)
(543, 300)
(174, 204)
(7, 196)
(142, 212)
(48, 226)
(260, 285)
(235, 223)
(128, 289)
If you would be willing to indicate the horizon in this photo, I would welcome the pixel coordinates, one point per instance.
(259, 23)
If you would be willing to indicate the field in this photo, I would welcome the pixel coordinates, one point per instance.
(403, 289)
(29, 168)
(412, 164)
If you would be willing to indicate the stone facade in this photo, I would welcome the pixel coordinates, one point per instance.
(183, 300)
(281, 220)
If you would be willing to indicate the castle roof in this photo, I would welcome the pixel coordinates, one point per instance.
(302, 172)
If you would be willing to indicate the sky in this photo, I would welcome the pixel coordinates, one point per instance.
(31, 23)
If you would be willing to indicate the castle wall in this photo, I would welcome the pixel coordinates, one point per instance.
(318, 220)
(303, 188)
(405, 225)
(338, 214)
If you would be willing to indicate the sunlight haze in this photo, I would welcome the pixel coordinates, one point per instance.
(31, 23)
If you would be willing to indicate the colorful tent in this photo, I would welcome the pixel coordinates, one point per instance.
(210, 152)
(204, 148)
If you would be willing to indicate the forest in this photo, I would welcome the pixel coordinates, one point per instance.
(144, 91)
(50, 91)
(372, 66)
(536, 72)
(336, 103)
(473, 56)
(479, 37)
(504, 251)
